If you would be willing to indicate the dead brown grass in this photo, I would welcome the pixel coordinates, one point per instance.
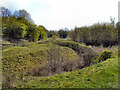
(100, 49)
(65, 66)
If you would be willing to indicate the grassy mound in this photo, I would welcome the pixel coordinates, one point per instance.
(33, 60)
(23, 64)
(24, 58)
(84, 52)
(101, 75)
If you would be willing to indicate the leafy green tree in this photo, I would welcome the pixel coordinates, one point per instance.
(62, 33)
(5, 12)
(52, 33)
(32, 33)
(14, 30)
(42, 32)
(22, 13)
(105, 34)
(20, 25)
(35, 33)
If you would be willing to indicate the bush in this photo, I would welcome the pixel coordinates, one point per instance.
(72, 65)
(39, 71)
(83, 51)
(59, 60)
(104, 55)
(15, 30)
(53, 37)
(56, 68)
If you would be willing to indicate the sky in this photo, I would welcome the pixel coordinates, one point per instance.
(57, 14)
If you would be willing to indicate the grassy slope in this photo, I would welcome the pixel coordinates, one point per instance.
(101, 75)
(24, 58)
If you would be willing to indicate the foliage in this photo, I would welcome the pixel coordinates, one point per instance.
(16, 58)
(104, 55)
(5, 11)
(35, 33)
(101, 75)
(52, 56)
(26, 59)
(32, 33)
(14, 30)
(20, 13)
(62, 33)
(52, 33)
(57, 62)
(36, 60)
(83, 51)
(42, 32)
(105, 34)
(19, 25)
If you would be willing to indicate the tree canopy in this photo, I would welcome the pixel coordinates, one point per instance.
(20, 25)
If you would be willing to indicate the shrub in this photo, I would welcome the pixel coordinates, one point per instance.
(104, 55)
(39, 71)
(59, 60)
(15, 30)
(72, 65)
(83, 51)
(54, 36)
(8, 80)
(56, 68)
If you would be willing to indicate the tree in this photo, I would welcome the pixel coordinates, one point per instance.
(112, 21)
(20, 25)
(98, 34)
(32, 33)
(42, 32)
(5, 12)
(23, 13)
(52, 33)
(62, 33)
(16, 13)
(15, 30)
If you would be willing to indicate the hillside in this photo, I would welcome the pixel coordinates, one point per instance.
(16, 58)
(101, 75)
(28, 65)
(35, 56)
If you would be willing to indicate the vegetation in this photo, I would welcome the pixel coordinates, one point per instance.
(101, 75)
(34, 54)
(26, 59)
(83, 51)
(19, 25)
(105, 55)
(105, 34)
(62, 33)
(34, 57)
(52, 33)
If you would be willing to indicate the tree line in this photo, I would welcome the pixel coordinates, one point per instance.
(105, 34)
(19, 25)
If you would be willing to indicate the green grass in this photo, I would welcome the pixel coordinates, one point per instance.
(101, 75)
(18, 60)
(24, 58)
